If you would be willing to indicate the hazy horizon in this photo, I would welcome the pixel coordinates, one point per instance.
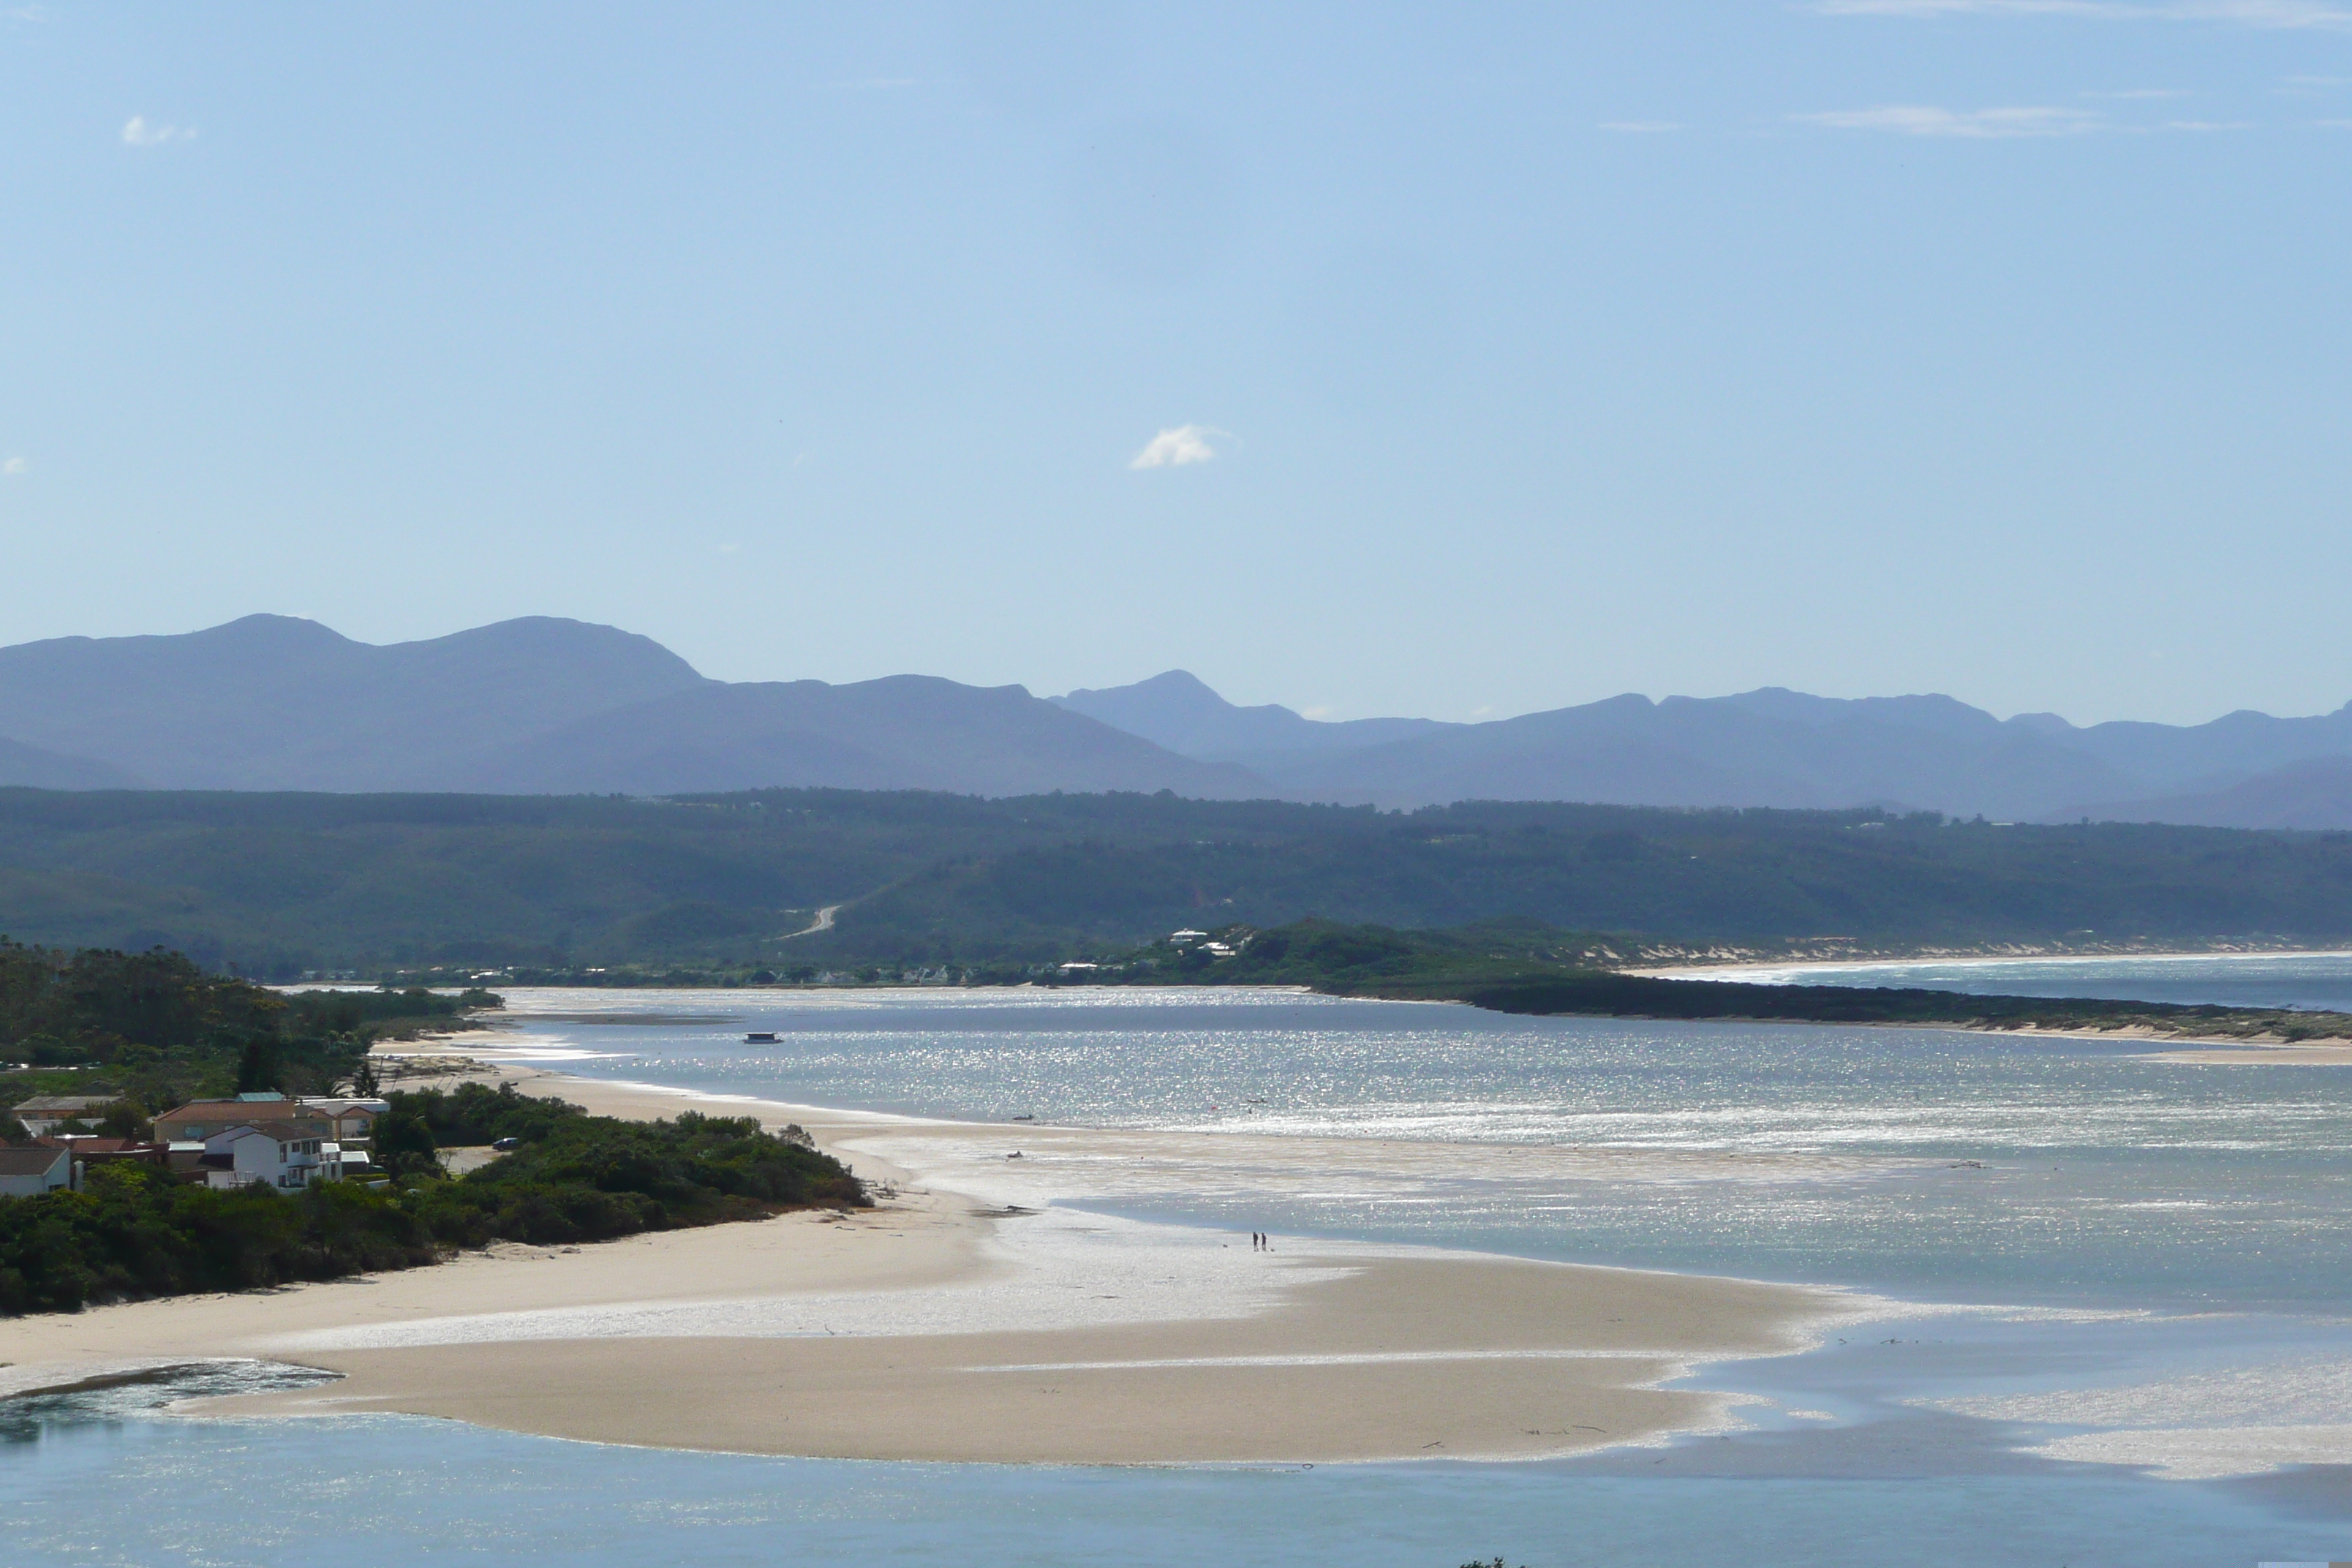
(1371, 361)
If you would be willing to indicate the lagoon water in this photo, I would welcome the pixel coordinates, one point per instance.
(2119, 1331)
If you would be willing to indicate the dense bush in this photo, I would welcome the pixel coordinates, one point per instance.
(139, 1232)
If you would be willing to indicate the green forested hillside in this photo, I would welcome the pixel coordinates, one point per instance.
(280, 883)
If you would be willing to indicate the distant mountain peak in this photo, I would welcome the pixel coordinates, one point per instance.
(1177, 709)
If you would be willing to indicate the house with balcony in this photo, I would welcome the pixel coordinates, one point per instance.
(286, 1156)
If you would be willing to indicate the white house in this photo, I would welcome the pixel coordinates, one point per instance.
(29, 1173)
(285, 1155)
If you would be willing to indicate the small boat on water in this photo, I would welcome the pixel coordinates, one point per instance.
(762, 1039)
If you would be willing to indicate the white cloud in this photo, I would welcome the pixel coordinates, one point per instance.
(1174, 448)
(139, 133)
(14, 467)
(2288, 14)
(1640, 127)
(1979, 124)
(25, 14)
(2136, 94)
(2211, 125)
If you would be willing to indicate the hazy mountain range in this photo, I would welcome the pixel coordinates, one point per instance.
(545, 706)
(1774, 747)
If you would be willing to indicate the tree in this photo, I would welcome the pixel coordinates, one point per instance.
(123, 1120)
(403, 1145)
(256, 1068)
(364, 1079)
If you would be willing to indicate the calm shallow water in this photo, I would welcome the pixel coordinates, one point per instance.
(1962, 1166)
(2107, 1183)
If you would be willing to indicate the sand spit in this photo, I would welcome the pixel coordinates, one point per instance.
(964, 1318)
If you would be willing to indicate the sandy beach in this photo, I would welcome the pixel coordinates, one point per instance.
(964, 1318)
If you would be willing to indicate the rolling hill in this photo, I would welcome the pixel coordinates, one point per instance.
(279, 883)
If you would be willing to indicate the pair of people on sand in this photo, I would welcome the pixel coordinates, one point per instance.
(1261, 1242)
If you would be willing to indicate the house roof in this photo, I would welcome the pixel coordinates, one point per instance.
(29, 1161)
(66, 1102)
(242, 1110)
(284, 1132)
(89, 1145)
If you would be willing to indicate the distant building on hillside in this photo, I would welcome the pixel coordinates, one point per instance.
(1181, 937)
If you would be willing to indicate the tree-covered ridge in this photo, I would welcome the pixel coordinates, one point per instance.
(714, 885)
(155, 1029)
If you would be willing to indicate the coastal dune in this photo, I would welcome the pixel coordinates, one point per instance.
(947, 1323)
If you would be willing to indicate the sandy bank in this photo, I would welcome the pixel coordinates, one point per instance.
(1730, 968)
(940, 1325)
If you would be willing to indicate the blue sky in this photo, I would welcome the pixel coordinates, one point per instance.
(1366, 359)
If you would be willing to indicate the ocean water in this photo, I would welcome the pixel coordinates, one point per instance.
(2309, 980)
(2119, 1331)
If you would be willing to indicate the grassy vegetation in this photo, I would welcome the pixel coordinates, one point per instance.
(593, 890)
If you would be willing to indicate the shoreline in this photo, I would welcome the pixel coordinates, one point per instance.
(955, 1322)
(1976, 960)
